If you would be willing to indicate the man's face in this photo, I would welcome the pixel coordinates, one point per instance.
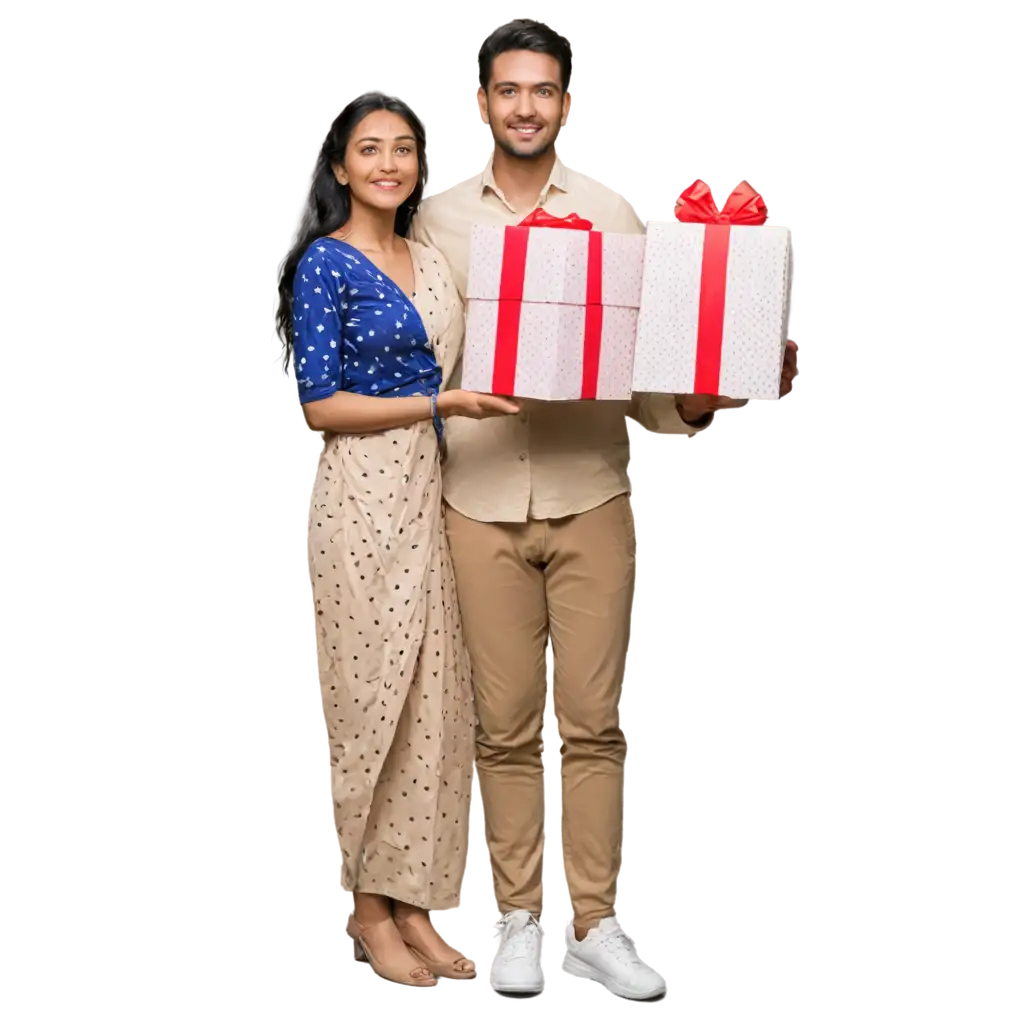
(524, 103)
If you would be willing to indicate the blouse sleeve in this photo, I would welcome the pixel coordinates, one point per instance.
(317, 326)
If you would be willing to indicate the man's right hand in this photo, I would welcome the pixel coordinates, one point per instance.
(475, 405)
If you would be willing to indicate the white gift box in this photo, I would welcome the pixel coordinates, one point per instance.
(552, 312)
(692, 338)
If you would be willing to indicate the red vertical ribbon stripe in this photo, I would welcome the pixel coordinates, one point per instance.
(594, 322)
(711, 315)
(510, 302)
(510, 305)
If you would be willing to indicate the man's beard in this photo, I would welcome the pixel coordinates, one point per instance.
(502, 143)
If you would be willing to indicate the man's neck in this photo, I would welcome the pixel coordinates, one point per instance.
(522, 181)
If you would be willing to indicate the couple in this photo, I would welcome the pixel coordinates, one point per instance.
(534, 527)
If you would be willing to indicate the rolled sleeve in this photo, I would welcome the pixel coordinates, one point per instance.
(659, 417)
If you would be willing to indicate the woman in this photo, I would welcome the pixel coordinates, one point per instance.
(374, 325)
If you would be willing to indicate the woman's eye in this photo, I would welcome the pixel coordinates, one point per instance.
(403, 150)
(367, 150)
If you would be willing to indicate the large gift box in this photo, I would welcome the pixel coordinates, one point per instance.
(714, 312)
(552, 309)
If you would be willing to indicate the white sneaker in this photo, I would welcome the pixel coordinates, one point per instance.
(516, 967)
(608, 955)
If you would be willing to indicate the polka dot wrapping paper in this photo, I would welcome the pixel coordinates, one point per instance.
(552, 312)
(752, 324)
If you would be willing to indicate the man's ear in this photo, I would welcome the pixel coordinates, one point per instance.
(566, 104)
(480, 105)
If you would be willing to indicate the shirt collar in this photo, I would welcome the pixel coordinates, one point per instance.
(558, 178)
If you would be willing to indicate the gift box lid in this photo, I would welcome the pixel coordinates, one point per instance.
(557, 265)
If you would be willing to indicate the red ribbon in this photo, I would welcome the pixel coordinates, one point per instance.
(744, 206)
(510, 301)
(696, 205)
(540, 218)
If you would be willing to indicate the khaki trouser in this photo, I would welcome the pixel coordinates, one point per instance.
(519, 583)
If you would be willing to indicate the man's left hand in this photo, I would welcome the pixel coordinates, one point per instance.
(696, 409)
(789, 370)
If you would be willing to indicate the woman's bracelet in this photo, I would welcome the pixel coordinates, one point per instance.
(438, 422)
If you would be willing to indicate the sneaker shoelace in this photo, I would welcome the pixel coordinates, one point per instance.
(518, 938)
(622, 947)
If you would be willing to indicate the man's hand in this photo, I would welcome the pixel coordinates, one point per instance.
(789, 370)
(696, 410)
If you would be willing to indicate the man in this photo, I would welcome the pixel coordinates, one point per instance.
(542, 542)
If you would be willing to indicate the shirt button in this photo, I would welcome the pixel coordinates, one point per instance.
(522, 456)
(523, 417)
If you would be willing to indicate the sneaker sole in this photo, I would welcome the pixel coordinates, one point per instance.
(578, 969)
(523, 988)
(518, 990)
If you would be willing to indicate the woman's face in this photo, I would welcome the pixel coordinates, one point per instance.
(381, 164)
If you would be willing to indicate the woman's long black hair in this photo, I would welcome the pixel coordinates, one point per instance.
(329, 206)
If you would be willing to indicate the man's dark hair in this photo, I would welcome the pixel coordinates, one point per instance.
(524, 34)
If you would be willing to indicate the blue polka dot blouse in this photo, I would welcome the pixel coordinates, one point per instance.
(355, 329)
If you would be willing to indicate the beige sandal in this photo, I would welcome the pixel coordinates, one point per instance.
(460, 968)
(410, 972)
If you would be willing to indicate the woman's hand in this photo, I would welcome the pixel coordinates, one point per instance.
(475, 405)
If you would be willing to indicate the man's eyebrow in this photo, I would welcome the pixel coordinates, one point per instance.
(536, 85)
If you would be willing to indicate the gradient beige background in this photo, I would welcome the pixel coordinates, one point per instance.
(163, 829)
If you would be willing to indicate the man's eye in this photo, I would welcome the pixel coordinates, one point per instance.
(507, 92)
(544, 92)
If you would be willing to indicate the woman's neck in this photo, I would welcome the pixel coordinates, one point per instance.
(370, 230)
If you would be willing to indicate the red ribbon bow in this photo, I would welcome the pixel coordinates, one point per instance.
(540, 218)
(744, 206)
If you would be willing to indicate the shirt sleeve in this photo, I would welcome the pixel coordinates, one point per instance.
(317, 327)
(625, 220)
(657, 415)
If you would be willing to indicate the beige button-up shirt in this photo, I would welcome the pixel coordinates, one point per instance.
(555, 458)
